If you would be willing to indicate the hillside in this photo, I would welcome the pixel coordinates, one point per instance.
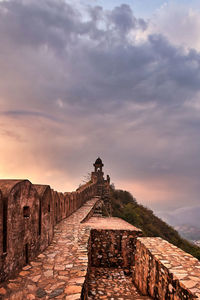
(127, 208)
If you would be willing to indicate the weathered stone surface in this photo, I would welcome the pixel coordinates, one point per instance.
(35, 278)
(71, 267)
(69, 244)
(17, 296)
(24, 273)
(40, 293)
(30, 297)
(111, 283)
(73, 297)
(21, 218)
(28, 214)
(73, 289)
(164, 271)
(61, 271)
(112, 242)
(2, 291)
(48, 273)
(13, 286)
(56, 293)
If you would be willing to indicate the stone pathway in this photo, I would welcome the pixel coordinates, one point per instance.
(59, 272)
(111, 284)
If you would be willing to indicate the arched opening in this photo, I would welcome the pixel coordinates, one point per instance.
(5, 213)
(26, 211)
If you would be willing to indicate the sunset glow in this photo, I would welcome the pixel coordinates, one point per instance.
(87, 79)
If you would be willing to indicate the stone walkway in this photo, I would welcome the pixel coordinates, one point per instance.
(107, 283)
(59, 272)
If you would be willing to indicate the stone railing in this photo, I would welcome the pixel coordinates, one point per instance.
(164, 271)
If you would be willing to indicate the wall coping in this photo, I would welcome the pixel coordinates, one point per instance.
(182, 266)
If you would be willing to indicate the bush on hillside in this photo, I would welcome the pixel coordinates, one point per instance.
(125, 206)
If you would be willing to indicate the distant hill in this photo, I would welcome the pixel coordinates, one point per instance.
(188, 232)
(126, 207)
(183, 215)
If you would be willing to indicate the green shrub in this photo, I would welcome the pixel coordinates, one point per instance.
(125, 206)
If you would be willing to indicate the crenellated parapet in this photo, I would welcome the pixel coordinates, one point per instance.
(46, 215)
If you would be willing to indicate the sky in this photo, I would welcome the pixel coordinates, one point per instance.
(115, 79)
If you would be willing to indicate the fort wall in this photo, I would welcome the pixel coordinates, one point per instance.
(46, 215)
(110, 245)
(28, 214)
(159, 269)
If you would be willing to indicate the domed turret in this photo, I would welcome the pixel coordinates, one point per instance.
(98, 165)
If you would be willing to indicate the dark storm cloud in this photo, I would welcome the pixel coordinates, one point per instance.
(26, 113)
(95, 55)
(37, 23)
(122, 18)
(134, 101)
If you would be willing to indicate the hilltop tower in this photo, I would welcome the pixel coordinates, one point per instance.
(98, 171)
(98, 165)
(103, 185)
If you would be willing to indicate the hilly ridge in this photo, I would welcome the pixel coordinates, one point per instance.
(188, 231)
(125, 206)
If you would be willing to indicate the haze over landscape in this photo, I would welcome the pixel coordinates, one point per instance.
(117, 79)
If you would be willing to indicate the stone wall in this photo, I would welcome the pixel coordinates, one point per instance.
(67, 204)
(111, 245)
(21, 225)
(46, 215)
(92, 211)
(28, 214)
(62, 205)
(113, 248)
(164, 271)
(56, 204)
(61, 270)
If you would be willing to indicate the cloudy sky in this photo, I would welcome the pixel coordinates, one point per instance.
(116, 79)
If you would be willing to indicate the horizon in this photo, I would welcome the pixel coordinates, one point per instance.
(117, 79)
